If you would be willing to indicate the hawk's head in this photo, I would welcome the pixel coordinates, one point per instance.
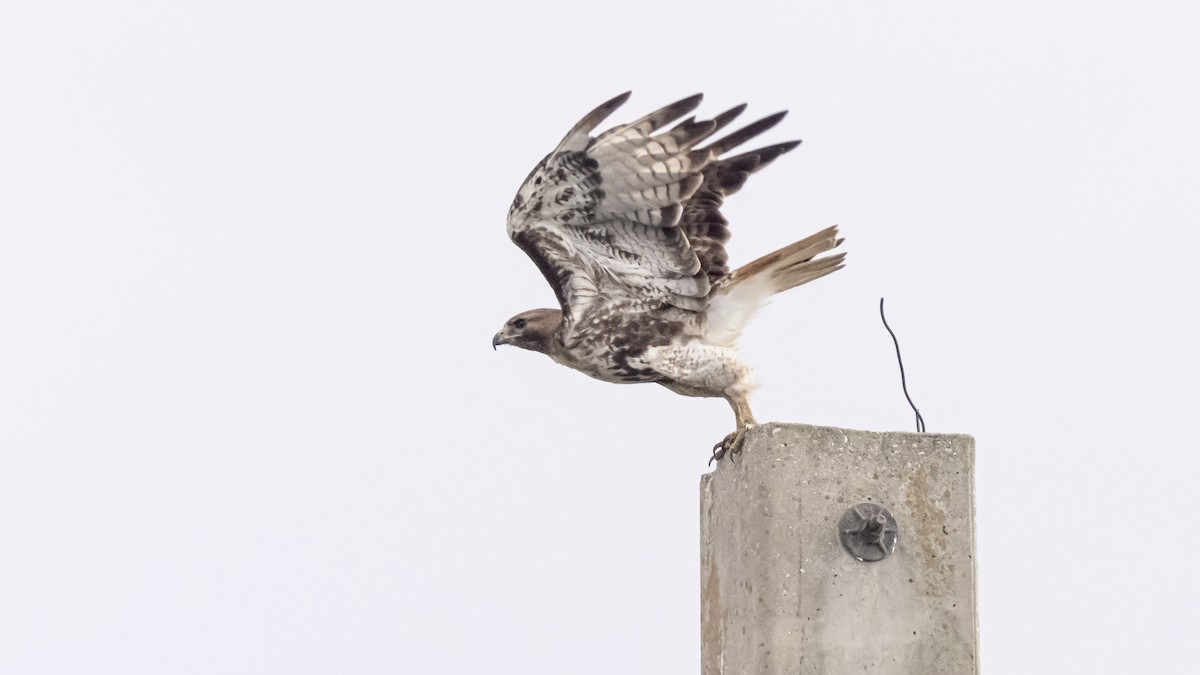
(532, 330)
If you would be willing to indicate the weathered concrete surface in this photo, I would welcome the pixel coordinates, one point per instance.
(779, 594)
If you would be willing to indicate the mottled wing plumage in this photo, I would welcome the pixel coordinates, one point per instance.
(632, 215)
(599, 215)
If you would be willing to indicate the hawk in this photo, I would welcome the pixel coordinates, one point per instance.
(626, 226)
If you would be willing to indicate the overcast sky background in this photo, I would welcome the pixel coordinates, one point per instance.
(252, 256)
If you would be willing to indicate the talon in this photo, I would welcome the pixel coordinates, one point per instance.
(730, 445)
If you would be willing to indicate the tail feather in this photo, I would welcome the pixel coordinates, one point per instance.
(808, 270)
(790, 261)
(741, 293)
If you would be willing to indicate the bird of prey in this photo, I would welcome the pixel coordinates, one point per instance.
(627, 229)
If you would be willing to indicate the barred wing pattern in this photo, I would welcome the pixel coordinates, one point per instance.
(632, 216)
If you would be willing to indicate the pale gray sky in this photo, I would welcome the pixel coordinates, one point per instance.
(252, 255)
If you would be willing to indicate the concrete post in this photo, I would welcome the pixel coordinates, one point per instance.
(781, 595)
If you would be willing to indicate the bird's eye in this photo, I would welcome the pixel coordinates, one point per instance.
(519, 324)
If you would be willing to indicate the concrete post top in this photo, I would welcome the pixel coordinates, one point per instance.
(783, 439)
(838, 451)
(787, 589)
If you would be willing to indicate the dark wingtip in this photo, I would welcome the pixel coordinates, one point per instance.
(773, 119)
(679, 108)
(667, 114)
(723, 145)
(597, 115)
(698, 131)
(758, 159)
(787, 147)
(613, 103)
(728, 116)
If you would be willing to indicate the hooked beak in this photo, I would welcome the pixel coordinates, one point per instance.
(497, 340)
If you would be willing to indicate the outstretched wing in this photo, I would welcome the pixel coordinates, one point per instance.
(633, 214)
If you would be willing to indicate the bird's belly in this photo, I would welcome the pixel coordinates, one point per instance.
(609, 365)
(610, 343)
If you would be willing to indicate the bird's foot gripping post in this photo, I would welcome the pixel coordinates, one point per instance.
(827, 550)
(732, 444)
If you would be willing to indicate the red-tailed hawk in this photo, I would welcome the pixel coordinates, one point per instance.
(626, 226)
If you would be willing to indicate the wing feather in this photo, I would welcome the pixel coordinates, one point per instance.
(632, 215)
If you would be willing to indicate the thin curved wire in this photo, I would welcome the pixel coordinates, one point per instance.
(903, 380)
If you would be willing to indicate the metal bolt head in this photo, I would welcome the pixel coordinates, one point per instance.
(868, 532)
